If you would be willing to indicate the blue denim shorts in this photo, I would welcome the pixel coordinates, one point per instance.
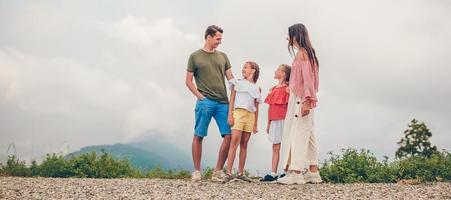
(205, 110)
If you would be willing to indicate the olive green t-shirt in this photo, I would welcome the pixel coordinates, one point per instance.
(209, 73)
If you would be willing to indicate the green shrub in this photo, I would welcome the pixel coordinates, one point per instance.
(55, 166)
(437, 167)
(104, 166)
(169, 174)
(207, 173)
(362, 166)
(349, 166)
(356, 166)
(15, 167)
(35, 169)
(179, 174)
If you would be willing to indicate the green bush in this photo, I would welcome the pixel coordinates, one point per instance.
(55, 166)
(207, 173)
(169, 174)
(349, 166)
(35, 169)
(92, 166)
(15, 167)
(86, 165)
(104, 166)
(356, 166)
(108, 167)
(437, 167)
(362, 166)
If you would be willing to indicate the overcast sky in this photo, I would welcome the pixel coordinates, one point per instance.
(79, 73)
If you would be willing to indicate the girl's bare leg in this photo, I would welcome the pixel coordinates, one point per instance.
(234, 142)
(243, 150)
(275, 157)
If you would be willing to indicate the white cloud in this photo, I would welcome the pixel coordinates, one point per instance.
(143, 31)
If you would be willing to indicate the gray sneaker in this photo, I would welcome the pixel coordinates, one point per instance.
(217, 176)
(243, 178)
(227, 178)
(311, 177)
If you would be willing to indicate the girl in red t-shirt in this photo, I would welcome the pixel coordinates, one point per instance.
(278, 103)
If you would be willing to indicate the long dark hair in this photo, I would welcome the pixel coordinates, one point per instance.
(257, 70)
(299, 33)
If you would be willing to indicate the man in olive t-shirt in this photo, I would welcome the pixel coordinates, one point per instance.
(209, 67)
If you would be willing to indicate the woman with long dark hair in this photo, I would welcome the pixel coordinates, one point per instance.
(299, 149)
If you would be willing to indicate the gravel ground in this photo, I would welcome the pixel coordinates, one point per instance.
(76, 188)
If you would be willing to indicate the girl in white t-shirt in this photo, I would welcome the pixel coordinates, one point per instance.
(243, 116)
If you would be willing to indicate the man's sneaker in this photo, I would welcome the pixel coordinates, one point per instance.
(196, 176)
(218, 176)
(269, 178)
(227, 178)
(243, 178)
(292, 178)
(311, 177)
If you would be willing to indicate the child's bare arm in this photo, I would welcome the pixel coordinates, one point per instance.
(230, 119)
(256, 118)
(256, 102)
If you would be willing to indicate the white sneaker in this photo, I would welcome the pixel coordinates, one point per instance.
(311, 177)
(196, 176)
(292, 178)
(217, 176)
(285, 176)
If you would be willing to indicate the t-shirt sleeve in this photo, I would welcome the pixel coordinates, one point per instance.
(191, 66)
(227, 65)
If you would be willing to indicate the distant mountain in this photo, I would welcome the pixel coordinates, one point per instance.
(146, 153)
(175, 156)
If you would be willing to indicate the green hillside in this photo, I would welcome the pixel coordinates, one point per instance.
(139, 158)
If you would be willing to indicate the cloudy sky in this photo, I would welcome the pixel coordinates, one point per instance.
(78, 73)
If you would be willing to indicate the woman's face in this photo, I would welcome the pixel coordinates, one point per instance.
(247, 71)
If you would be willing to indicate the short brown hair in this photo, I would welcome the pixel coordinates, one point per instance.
(211, 31)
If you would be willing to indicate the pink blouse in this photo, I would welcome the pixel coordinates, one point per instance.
(304, 81)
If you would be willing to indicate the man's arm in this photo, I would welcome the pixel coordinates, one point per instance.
(189, 83)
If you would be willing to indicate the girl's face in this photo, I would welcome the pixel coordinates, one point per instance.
(279, 73)
(247, 71)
